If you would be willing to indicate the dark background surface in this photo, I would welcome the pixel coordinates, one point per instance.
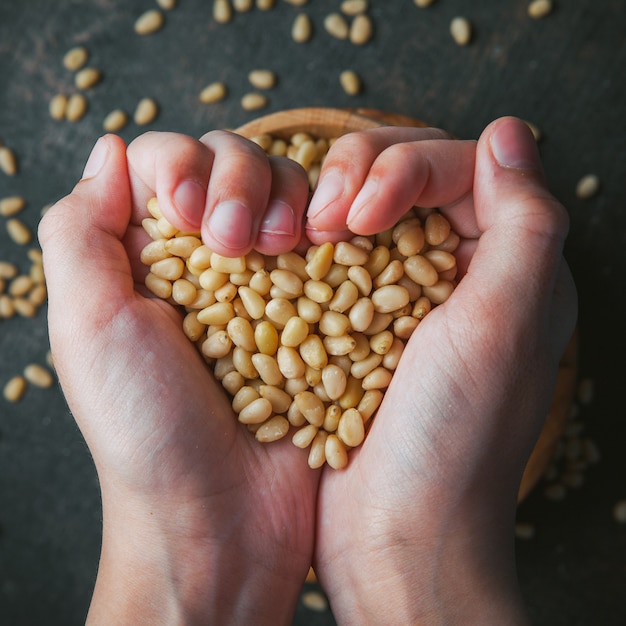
(564, 72)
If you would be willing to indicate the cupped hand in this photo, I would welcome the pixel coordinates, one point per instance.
(197, 514)
(419, 526)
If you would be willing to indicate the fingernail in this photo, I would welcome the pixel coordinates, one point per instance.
(231, 224)
(279, 219)
(329, 189)
(363, 198)
(96, 159)
(513, 145)
(189, 200)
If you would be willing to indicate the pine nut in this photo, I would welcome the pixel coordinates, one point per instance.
(311, 407)
(335, 25)
(214, 92)
(290, 362)
(345, 296)
(295, 332)
(279, 399)
(313, 352)
(146, 111)
(361, 30)
(378, 378)
(253, 101)
(436, 229)
(76, 107)
(353, 7)
(14, 389)
(390, 298)
(58, 106)
(304, 436)
(11, 205)
(334, 380)
(335, 452)
(334, 324)
(38, 375)
(266, 338)
(243, 398)
(256, 412)
(439, 292)
(351, 429)
(461, 30)
(540, 8)
(87, 78)
(262, 79)
(587, 187)
(369, 403)
(149, 22)
(420, 270)
(242, 6)
(217, 345)
(317, 451)
(115, 121)
(265, 5)
(19, 232)
(350, 82)
(318, 291)
(8, 162)
(339, 345)
(302, 28)
(308, 310)
(273, 429)
(268, 369)
(422, 4)
(75, 58)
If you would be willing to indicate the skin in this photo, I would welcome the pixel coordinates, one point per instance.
(204, 525)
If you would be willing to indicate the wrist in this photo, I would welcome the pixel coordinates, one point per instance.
(161, 566)
(458, 571)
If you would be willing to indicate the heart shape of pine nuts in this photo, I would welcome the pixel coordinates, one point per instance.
(306, 343)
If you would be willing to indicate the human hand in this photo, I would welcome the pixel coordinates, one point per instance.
(201, 524)
(419, 527)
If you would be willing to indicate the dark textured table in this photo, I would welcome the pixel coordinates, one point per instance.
(564, 72)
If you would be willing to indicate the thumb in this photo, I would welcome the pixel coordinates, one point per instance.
(80, 236)
(518, 264)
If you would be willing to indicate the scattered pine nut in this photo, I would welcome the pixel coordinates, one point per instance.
(215, 92)
(149, 22)
(336, 26)
(166, 5)
(314, 601)
(262, 79)
(87, 77)
(11, 205)
(253, 101)
(350, 82)
(76, 107)
(7, 308)
(296, 3)
(8, 270)
(19, 232)
(8, 162)
(14, 389)
(265, 5)
(146, 111)
(302, 28)
(461, 30)
(222, 11)
(38, 375)
(354, 7)
(243, 6)
(75, 58)
(540, 8)
(361, 30)
(422, 4)
(115, 121)
(58, 106)
(587, 187)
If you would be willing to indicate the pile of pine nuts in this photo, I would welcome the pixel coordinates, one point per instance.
(306, 342)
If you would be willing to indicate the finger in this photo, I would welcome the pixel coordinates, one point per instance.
(281, 224)
(81, 242)
(425, 173)
(346, 167)
(176, 169)
(238, 192)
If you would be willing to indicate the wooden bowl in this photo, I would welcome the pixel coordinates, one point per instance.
(329, 123)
